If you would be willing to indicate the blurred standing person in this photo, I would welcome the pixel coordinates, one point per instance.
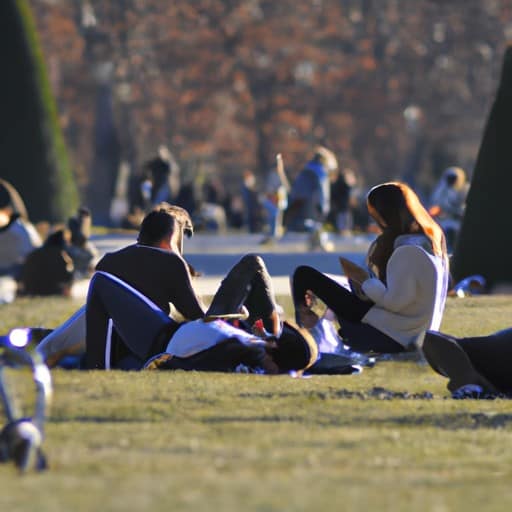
(82, 251)
(310, 198)
(252, 205)
(158, 181)
(276, 200)
(164, 177)
(212, 213)
(235, 211)
(18, 237)
(341, 201)
(448, 202)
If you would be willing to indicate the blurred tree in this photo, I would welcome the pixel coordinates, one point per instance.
(485, 241)
(34, 156)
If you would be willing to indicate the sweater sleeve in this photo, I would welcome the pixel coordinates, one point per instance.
(401, 288)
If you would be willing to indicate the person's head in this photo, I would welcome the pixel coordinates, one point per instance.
(159, 165)
(326, 157)
(397, 208)
(59, 237)
(398, 211)
(295, 348)
(455, 177)
(249, 179)
(80, 226)
(165, 226)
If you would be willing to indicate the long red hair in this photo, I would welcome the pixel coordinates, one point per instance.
(398, 211)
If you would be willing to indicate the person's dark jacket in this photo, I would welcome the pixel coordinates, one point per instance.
(160, 275)
(309, 198)
(47, 270)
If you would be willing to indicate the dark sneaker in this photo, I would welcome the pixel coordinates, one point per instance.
(475, 392)
(468, 391)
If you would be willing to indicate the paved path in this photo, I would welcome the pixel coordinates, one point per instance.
(237, 243)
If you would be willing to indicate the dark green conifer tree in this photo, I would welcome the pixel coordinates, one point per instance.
(33, 155)
(484, 244)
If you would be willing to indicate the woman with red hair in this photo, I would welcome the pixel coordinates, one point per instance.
(406, 294)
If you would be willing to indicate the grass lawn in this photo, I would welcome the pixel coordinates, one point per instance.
(388, 439)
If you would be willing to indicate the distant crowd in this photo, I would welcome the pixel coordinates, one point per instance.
(43, 261)
(322, 198)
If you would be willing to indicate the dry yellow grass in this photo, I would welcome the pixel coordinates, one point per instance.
(387, 439)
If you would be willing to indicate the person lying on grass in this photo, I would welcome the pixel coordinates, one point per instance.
(155, 268)
(476, 367)
(148, 338)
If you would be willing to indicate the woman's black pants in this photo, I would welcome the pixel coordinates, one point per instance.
(348, 308)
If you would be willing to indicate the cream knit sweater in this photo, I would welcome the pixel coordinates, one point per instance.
(413, 299)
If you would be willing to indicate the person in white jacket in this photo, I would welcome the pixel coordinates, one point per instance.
(18, 237)
(406, 292)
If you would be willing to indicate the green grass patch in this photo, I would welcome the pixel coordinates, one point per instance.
(387, 439)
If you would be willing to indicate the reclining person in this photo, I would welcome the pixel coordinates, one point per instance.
(149, 338)
(18, 237)
(477, 367)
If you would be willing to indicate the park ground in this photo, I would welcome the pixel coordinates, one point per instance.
(388, 439)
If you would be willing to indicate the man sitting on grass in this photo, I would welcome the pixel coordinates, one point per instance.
(154, 265)
(155, 269)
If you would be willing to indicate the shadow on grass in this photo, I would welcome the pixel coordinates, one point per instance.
(455, 421)
(96, 419)
(375, 393)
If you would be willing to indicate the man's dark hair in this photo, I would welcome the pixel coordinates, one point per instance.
(180, 215)
(156, 226)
